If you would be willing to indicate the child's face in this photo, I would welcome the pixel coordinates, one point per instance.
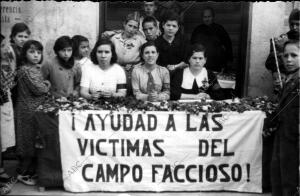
(150, 30)
(33, 56)
(295, 25)
(291, 57)
(170, 28)
(65, 53)
(20, 38)
(84, 49)
(131, 28)
(149, 8)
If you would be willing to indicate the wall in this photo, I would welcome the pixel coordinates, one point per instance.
(48, 20)
(269, 19)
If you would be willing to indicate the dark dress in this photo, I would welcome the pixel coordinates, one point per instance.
(213, 88)
(217, 43)
(172, 53)
(285, 160)
(31, 93)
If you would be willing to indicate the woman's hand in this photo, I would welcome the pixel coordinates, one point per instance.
(95, 96)
(106, 94)
(171, 67)
(202, 96)
(153, 96)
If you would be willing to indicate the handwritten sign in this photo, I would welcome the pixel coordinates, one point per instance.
(161, 151)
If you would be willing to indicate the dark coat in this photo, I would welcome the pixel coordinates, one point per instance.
(285, 160)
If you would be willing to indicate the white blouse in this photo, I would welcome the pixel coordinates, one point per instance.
(96, 79)
(188, 78)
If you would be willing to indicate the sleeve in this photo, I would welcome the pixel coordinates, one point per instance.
(85, 77)
(46, 70)
(215, 91)
(165, 94)
(34, 81)
(121, 81)
(176, 80)
(135, 86)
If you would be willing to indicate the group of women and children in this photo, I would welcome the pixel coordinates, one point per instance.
(125, 64)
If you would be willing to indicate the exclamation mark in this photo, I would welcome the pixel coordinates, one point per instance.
(73, 122)
(248, 172)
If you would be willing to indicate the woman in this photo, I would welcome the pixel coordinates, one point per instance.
(128, 44)
(285, 160)
(103, 78)
(150, 81)
(195, 81)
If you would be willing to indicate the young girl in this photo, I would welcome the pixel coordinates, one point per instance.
(61, 71)
(285, 160)
(19, 35)
(32, 89)
(81, 50)
(7, 130)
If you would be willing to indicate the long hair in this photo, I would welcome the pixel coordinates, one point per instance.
(61, 43)
(104, 42)
(31, 44)
(18, 28)
(77, 39)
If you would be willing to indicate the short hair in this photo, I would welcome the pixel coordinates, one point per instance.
(150, 19)
(196, 48)
(61, 43)
(294, 42)
(77, 39)
(171, 16)
(295, 15)
(104, 42)
(18, 28)
(212, 11)
(145, 45)
(36, 45)
(155, 2)
(133, 16)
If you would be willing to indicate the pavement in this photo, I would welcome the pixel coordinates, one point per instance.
(21, 189)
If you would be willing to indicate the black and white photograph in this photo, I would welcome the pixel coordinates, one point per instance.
(134, 98)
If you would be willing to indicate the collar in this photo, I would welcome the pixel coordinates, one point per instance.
(188, 78)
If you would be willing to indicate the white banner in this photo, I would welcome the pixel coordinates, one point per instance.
(161, 151)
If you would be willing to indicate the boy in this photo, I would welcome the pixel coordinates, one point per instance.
(150, 28)
(172, 47)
